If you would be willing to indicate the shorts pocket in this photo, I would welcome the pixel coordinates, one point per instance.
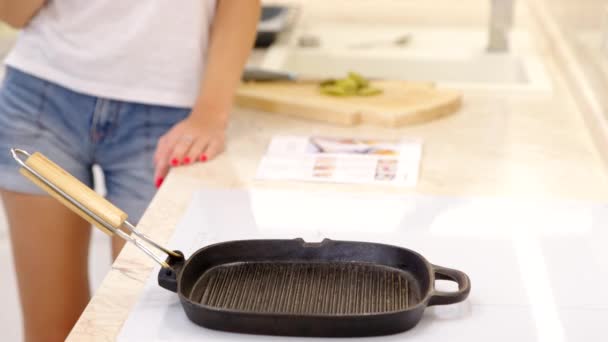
(22, 101)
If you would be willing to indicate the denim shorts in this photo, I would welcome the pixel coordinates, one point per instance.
(77, 131)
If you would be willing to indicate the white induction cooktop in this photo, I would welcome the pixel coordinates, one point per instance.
(537, 268)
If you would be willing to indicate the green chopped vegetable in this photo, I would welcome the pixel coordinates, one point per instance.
(352, 85)
(329, 81)
(349, 85)
(361, 81)
(333, 90)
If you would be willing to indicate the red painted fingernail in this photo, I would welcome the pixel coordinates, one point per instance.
(174, 162)
(159, 182)
(186, 161)
(203, 158)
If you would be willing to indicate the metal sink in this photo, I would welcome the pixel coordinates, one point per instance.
(455, 57)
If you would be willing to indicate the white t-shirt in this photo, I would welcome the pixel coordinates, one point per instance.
(145, 51)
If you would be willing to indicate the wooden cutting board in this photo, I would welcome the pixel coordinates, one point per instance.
(401, 102)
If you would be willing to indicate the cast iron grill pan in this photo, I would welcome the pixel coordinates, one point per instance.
(294, 288)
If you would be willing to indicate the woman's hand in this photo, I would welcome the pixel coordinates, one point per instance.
(194, 139)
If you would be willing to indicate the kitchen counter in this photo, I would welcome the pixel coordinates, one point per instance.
(498, 144)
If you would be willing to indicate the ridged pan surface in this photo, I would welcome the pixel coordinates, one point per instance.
(325, 288)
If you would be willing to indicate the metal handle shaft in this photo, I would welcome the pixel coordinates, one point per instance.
(88, 214)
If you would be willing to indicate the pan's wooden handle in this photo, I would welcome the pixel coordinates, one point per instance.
(75, 189)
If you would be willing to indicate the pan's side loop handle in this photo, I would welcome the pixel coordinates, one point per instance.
(442, 297)
(83, 201)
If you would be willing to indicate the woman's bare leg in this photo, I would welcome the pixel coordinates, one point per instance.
(50, 247)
